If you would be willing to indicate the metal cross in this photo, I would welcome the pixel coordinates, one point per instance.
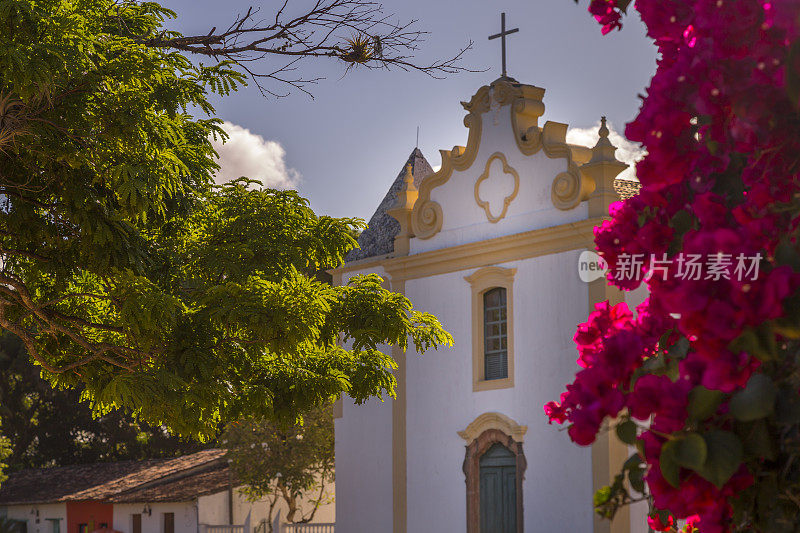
(502, 35)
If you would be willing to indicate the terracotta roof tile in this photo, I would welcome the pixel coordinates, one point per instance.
(626, 188)
(206, 481)
(97, 481)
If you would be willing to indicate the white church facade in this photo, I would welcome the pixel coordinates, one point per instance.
(490, 245)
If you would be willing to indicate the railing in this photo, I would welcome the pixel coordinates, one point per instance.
(308, 528)
(205, 528)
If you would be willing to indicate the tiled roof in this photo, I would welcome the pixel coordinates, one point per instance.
(98, 481)
(378, 238)
(209, 480)
(627, 188)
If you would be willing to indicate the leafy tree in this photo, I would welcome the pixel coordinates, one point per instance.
(5, 451)
(52, 427)
(125, 272)
(289, 464)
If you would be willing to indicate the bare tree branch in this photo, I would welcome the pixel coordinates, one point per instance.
(357, 32)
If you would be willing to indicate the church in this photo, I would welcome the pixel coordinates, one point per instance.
(490, 244)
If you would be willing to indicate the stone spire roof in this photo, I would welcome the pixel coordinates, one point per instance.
(378, 238)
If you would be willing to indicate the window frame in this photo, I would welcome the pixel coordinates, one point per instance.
(55, 525)
(481, 281)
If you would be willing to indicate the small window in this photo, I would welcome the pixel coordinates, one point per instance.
(495, 334)
(55, 525)
(136, 523)
(169, 522)
(492, 327)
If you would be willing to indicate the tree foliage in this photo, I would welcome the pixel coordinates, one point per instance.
(47, 427)
(124, 271)
(290, 464)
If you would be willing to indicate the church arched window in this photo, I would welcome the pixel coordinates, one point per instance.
(492, 328)
(495, 334)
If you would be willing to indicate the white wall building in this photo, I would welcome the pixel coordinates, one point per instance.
(186, 494)
(490, 245)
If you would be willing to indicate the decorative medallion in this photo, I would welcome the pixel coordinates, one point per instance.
(485, 204)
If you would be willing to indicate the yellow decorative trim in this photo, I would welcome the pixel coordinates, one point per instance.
(481, 281)
(508, 199)
(399, 444)
(568, 188)
(526, 106)
(497, 421)
(401, 211)
(552, 240)
(488, 275)
(426, 219)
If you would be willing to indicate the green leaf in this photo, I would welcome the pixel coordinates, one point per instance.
(724, 456)
(703, 402)
(787, 254)
(634, 461)
(623, 5)
(756, 400)
(793, 73)
(670, 468)
(626, 431)
(636, 472)
(681, 221)
(679, 349)
(690, 451)
(636, 479)
(787, 406)
(602, 496)
(759, 342)
(757, 440)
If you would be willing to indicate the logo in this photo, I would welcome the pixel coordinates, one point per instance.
(591, 266)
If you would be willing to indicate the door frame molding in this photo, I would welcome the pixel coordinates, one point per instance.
(472, 473)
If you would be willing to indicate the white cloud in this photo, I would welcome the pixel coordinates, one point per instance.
(248, 154)
(627, 151)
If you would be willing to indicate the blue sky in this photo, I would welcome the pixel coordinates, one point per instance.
(343, 148)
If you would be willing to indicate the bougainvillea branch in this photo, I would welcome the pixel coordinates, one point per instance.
(704, 377)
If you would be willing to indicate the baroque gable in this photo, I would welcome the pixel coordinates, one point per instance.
(513, 175)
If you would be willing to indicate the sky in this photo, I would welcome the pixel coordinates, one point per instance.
(343, 148)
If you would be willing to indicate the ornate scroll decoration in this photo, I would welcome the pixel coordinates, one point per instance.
(508, 199)
(568, 188)
(526, 106)
(426, 219)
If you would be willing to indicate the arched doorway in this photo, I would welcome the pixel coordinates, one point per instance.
(494, 468)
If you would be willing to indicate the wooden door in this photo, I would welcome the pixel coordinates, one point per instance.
(169, 522)
(498, 484)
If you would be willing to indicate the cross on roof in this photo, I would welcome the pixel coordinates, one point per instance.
(502, 35)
